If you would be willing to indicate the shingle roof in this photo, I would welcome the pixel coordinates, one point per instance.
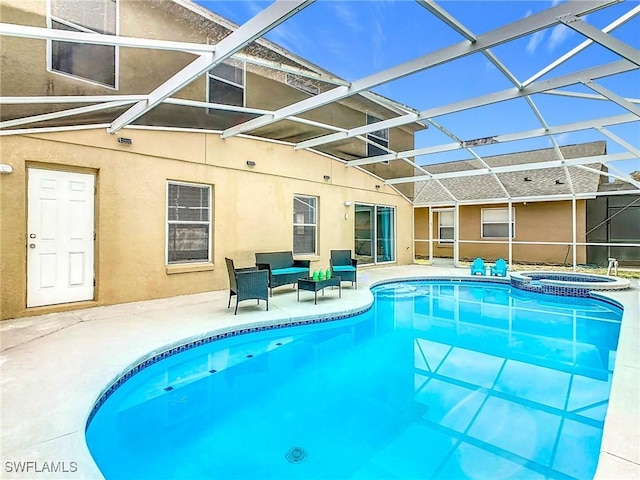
(542, 182)
(617, 186)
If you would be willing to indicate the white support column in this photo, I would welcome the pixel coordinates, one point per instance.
(413, 231)
(611, 157)
(593, 73)
(609, 28)
(520, 28)
(456, 235)
(614, 97)
(430, 235)
(607, 41)
(510, 206)
(574, 240)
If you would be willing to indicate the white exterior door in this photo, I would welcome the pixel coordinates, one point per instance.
(59, 237)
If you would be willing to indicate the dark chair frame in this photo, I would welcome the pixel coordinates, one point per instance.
(247, 284)
(340, 258)
(270, 261)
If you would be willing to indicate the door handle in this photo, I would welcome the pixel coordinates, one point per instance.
(32, 235)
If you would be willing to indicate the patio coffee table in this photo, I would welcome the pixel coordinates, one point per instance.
(308, 283)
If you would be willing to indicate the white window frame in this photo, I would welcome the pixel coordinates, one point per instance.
(301, 225)
(371, 119)
(445, 241)
(506, 221)
(51, 18)
(208, 222)
(231, 63)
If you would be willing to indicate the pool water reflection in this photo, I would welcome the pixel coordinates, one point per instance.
(437, 380)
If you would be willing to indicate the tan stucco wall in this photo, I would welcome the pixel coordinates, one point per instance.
(421, 231)
(535, 222)
(252, 206)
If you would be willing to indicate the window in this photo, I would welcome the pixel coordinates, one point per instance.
(374, 234)
(188, 223)
(226, 83)
(96, 63)
(495, 223)
(381, 137)
(305, 225)
(446, 226)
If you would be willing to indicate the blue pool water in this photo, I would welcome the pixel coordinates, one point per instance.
(448, 380)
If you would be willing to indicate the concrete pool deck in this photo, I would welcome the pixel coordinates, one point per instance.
(54, 367)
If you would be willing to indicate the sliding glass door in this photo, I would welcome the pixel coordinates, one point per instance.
(385, 234)
(364, 233)
(375, 233)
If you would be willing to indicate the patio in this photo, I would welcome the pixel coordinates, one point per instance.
(56, 365)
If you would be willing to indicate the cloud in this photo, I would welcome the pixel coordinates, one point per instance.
(254, 8)
(347, 16)
(287, 37)
(562, 138)
(379, 39)
(534, 41)
(559, 34)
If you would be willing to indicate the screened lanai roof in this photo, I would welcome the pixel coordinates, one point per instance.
(587, 94)
(549, 183)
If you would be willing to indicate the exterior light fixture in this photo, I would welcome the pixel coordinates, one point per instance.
(125, 140)
(327, 177)
(4, 168)
(347, 204)
(251, 163)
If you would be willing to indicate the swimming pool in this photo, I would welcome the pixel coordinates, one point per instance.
(437, 380)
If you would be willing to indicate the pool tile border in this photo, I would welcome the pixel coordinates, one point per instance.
(147, 362)
(565, 284)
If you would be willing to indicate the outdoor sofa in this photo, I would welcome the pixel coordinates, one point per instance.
(283, 269)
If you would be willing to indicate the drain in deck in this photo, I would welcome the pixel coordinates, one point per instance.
(296, 455)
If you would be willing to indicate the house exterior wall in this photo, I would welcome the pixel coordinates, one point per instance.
(252, 207)
(534, 222)
(23, 72)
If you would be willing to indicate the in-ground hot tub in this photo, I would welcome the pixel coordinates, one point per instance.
(566, 283)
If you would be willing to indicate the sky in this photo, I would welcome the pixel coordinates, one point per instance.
(354, 39)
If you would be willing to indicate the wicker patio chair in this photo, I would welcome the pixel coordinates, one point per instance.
(344, 266)
(247, 283)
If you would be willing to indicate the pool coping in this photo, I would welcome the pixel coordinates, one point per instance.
(611, 284)
(55, 428)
